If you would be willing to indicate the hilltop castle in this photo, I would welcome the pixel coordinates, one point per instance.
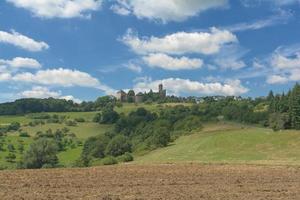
(141, 97)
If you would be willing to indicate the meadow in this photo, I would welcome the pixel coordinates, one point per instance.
(230, 143)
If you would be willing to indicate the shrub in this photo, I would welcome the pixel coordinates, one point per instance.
(71, 123)
(127, 157)
(109, 160)
(11, 147)
(14, 126)
(11, 157)
(42, 151)
(80, 120)
(118, 146)
(24, 134)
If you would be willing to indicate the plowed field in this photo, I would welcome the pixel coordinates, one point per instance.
(180, 181)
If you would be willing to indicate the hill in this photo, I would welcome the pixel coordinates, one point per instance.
(230, 143)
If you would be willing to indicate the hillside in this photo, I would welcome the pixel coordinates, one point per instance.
(230, 143)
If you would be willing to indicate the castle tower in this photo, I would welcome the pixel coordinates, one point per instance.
(162, 93)
(160, 88)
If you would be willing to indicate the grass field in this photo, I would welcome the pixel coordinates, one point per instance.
(88, 116)
(231, 144)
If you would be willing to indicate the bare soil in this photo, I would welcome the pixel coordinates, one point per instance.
(180, 181)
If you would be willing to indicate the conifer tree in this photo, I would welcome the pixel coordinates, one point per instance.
(295, 107)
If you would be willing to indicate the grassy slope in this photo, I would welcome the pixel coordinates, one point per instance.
(231, 145)
(82, 130)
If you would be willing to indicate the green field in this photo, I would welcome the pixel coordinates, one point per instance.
(88, 116)
(231, 144)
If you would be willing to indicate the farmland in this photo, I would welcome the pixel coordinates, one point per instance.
(181, 181)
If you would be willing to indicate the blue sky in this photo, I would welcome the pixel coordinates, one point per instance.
(82, 49)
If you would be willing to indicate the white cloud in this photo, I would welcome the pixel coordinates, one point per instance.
(282, 62)
(281, 18)
(20, 62)
(168, 10)
(5, 76)
(58, 77)
(185, 86)
(181, 43)
(44, 92)
(285, 65)
(230, 63)
(276, 79)
(164, 61)
(22, 41)
(249, 3)
(59, 8)
(39, 92)
(134, 67)
(120, 10)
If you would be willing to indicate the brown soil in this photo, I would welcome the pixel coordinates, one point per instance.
(189, 181)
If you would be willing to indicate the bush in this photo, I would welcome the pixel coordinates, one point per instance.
(24, 134)
(11, 147)
(189, 124)
(118, 146)
(127, 157)
(41, 152)
(11, 157)
(71, 123)
(109, 160)
(80, 120)
(14, 126)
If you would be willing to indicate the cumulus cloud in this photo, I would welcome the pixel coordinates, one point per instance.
(285, 65)
(282, 62)
(181, 43)
(58, 77)
(20, 62)
(164, 61)
(167, 10)
(277, 79)
(5, 76)
(44, 92)
(59, 8)
(185, 86)
(22, 41)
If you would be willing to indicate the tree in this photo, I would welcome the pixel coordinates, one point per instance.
(109, 116)
(14, 126)
(11, 157)
(161, 137)
(41, 152)
(11, 147)
(295, 107)
(118, 146)
(279, 121)
(131, 96)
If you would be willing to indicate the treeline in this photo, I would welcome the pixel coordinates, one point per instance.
(25, 106)
(32, 105)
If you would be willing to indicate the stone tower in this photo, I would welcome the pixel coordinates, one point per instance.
(162, 93)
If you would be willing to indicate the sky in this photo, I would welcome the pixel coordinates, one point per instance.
(82, 49)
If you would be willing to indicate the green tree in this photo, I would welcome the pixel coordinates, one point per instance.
(131, 96)
(41, 152)
(118, 146)
(11, 157)
(295, 107)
